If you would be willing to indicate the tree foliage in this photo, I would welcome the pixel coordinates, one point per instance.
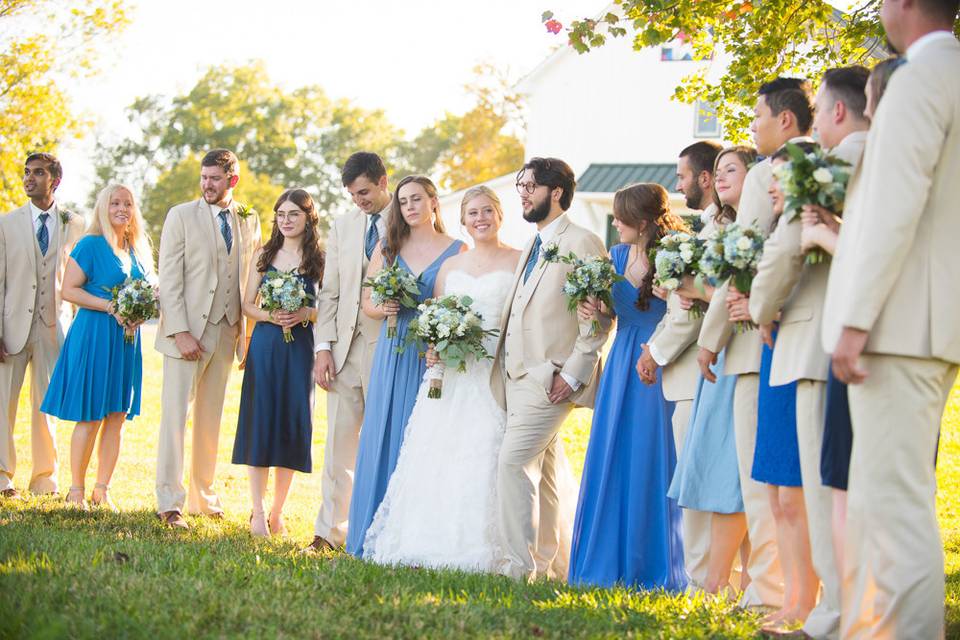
(43, 43)
(763, 39)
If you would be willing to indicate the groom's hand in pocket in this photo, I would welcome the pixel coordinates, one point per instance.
(560, 390)
(324, 370)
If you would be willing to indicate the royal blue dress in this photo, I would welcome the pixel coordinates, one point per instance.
(627, 531)
(708, 475)
(776, 457)
(396, 379)
(98, 371)
(275, 425)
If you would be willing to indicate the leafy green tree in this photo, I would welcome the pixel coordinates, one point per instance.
(43, 43)
(763, 39)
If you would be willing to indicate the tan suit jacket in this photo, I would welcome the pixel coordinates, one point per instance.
(18, 272)
(743, 350)
(188, 271)
(899, 238)
(554, 340)
(339, 317)
(785, 282)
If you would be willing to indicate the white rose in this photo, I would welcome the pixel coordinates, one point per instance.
(277, 283)
(671, 284)
(744, 243)
(823, 175)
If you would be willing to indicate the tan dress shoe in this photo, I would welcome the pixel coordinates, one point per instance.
(319, 545)
(173, 519)
(10, 494)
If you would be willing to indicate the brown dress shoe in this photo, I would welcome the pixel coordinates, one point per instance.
(319, 545)
(173, 519)
(216, 515)
(10, 494)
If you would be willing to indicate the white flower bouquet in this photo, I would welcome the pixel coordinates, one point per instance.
(591, 277)
(283, 291)
(816, 178)
(454, 329)
(742, 248)
(677, 256)
(135, 301)
(393, 283)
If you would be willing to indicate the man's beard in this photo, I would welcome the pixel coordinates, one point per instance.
(538, 213)
(694, 196)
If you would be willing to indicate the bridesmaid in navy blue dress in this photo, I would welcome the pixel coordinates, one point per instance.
(416, 240)
(627, 531)
(275, 425)
(97, 379)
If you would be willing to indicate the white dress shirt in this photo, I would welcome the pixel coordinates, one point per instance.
(51, 223)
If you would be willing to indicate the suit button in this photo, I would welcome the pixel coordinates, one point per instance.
(204, 316)
(34, 286)
(212, 291)
(29, 310)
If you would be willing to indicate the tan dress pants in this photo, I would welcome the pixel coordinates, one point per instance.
(696, 524)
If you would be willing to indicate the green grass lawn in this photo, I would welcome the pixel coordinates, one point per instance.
(67, 573)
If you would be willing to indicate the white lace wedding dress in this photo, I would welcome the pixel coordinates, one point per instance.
(440, 509)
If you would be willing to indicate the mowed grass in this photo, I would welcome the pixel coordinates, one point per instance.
(67, 573)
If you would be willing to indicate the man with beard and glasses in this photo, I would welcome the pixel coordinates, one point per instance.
(551, 365)
(205, 250)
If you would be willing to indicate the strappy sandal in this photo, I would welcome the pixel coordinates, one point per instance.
(75, 498)
(104, 500)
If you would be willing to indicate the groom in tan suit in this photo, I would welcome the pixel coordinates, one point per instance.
(895, 336)
(205, 252)
(346, 338)
(551, 365)
(35, 242)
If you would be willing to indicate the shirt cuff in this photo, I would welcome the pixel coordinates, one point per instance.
(322, 346)
(570, 380)
(657, 356)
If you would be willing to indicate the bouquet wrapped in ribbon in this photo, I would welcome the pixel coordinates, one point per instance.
(591, 277)
(677, 256)
(454, 329)
(393, 283)
(135, 301)
(816, 178)
(283, 291)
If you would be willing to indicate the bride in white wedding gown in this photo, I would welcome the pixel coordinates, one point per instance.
(440, 509)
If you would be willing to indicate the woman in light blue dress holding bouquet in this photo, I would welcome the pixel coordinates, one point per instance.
(97, 379)
(417, 243)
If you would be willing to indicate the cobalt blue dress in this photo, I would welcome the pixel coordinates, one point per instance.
(776, 457)
(275, 425)
(98, 371)
(627, 531)
(395, 379)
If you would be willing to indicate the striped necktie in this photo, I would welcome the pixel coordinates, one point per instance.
(373, 236)
(226, 230)
(43, 234)
(532, 258)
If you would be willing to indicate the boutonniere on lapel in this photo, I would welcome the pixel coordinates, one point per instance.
(64, 217)
(549, 253)
(244, 211)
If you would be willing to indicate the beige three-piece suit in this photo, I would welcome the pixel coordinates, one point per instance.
(352, 336)
(32, 327)
(895, 276)
(201, 286)
(784, 282)
(539, 337)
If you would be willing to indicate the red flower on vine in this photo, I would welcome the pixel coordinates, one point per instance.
(553, 26)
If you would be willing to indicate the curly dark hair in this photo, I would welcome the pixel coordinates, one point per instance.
(312, 260)
(647, 202)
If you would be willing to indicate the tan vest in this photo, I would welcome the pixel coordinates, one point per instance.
(226, 297)
(45, 304)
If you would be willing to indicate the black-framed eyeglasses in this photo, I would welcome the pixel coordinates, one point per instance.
(528, 187)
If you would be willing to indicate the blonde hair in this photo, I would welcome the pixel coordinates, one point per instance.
(135, 238)
(480, 190)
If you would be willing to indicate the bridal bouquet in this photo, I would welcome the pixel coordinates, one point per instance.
(454, 329)
(591, 277)
(135, 301)
(677, 256)
(742, 248)
(283, 291)
(812, 178)
(393, 283)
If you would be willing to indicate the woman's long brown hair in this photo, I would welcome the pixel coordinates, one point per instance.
(748, 155)
(646, 202)
(312, 256)
(398, 230)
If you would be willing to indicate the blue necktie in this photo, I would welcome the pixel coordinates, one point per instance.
(373, 236)
(226, 230)
(532, 258)
(43, 236)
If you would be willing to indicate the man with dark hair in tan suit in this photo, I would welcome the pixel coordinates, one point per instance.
(893, 329)
(673, 347)
(205, 250)
(785, 282)
(35, 242)
(551, 365)
(346, 338)
(783, 113)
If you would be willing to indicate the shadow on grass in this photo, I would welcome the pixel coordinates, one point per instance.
(86, 574)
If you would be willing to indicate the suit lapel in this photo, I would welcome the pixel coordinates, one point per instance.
(356, 229)
(203, 213)
(517, 283)
(29, 239)
(539, 269)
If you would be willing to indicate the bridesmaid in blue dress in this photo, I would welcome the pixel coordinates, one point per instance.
(275, 425)
(627, 531)
(97, 379)
(416, 240)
